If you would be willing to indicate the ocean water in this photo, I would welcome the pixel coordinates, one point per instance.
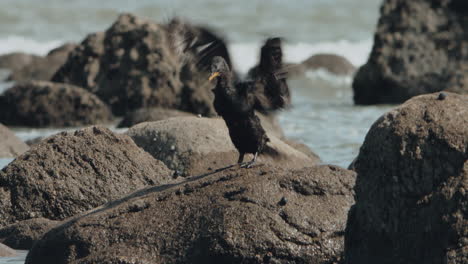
(323, 115)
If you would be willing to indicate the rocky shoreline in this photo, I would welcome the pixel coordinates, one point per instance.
(157, 194)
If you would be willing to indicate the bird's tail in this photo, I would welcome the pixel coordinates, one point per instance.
(270, 150)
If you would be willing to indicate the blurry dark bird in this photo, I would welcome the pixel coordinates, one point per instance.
(269, 79)
(197, 44)
(235, 104)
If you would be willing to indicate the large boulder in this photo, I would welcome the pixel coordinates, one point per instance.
(269, 122)
(192, 145)
(258, 215)
(43, 104)
(42, 68)
(150, 114)
(10, 145)
(24, 234)
(411, 186)
(332, 63)
(420, 46)
(72, 172)
(137, 63)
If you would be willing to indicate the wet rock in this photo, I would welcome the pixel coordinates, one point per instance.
(10, 145)
(72, 172)
(17, 60)
(150, 114)
(42, 68)
(192, 146)
(6, 251)
(43, 104)
(228, 217)
(137, 63)
(412, 176)
(419, 47)
(24, 234)
(333, 63)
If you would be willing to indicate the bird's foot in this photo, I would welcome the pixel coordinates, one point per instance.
(247, 165)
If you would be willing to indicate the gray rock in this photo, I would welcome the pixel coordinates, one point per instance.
(10, 145)
(42, 68)
(72, 172)
(302, 148)
(24, 234)
(411, 187)
(419, 47)
(192, 145)
(45, 104)
(333, 63)
(233, 216)
(137, 63)
(150, 114)
(6, 251)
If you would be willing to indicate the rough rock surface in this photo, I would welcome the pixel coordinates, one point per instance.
(258, 215)
(75, 171)
(333, 63)
(137, 63)
(43, 68)
(24, 234)
(43, 104)
(6, 251)
(192, 145)
(420, 46)
(10, 145)
(411, 186)
(17, 60)
(150, 114)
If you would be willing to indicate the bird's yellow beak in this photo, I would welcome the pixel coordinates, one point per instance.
(213, 75)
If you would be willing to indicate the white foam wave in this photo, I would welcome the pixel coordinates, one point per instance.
(21, 44)
(245, 55)
(329, 77)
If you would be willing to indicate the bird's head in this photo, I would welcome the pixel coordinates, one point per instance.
(219, 67)
(271, 54)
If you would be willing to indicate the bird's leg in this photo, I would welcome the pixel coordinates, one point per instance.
(241, 158)
(249, 164)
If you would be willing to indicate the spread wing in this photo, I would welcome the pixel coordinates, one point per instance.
(271, 89)
(197, 44)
